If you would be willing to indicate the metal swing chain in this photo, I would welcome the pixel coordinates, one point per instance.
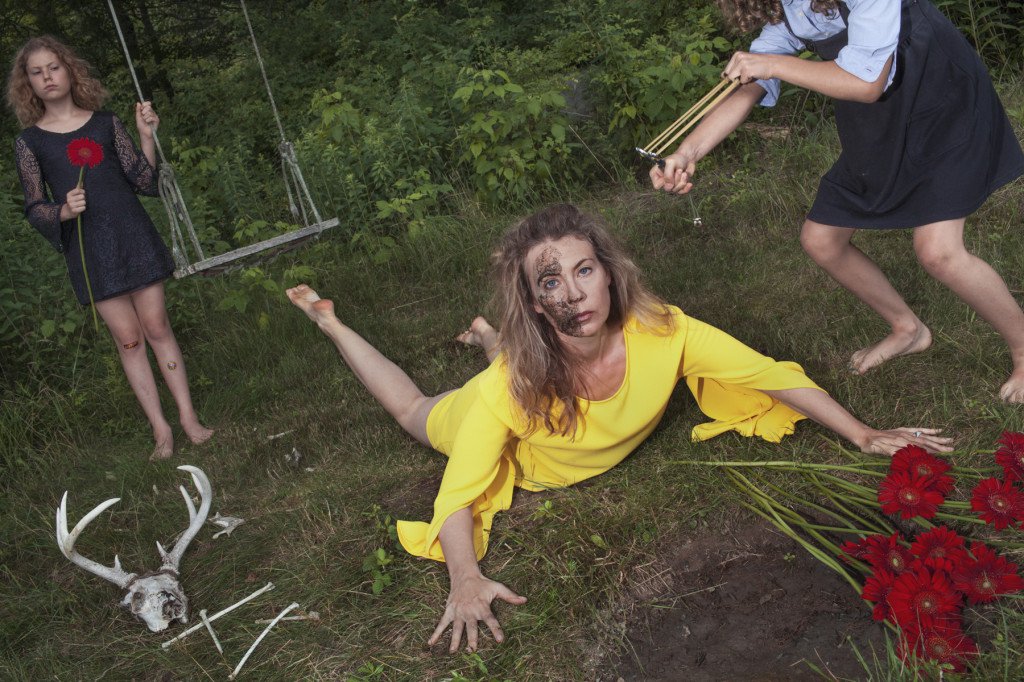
(167, 184)
(285, 148)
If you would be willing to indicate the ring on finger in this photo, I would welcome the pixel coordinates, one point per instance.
(917, 434)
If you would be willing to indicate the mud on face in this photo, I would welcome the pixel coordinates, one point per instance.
(559, 307)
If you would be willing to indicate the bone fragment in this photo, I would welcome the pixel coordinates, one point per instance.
(228, 523)
(312, 615)
(278, 435)
(265, 588)
(213, 635)
(238, 668)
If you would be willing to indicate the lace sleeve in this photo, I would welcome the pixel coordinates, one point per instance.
(42, 214)
(134, 164)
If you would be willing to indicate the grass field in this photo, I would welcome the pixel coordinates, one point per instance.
(586, 557)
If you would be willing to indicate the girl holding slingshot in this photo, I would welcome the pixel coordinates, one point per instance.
(924, 140)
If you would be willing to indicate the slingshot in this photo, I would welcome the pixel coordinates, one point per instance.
(654, 150)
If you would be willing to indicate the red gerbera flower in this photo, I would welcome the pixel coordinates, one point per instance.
(940, 548)
(84, 152)
(1011, 455)
(909, 495)
(943, 642)
(856, 549)
(986, 576)
(919, 461)
(921, 597)
(998, 502)
(876, 589)
(886, 553)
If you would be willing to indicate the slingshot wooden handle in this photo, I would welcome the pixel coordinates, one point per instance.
(690, 118)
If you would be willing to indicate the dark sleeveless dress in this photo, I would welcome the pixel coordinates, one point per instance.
(123, 251)
(933, 147)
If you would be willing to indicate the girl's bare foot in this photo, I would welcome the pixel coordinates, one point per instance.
(164, 443)
(308, 301)
(1013, 390)
(894, 345)
(482, 334)
(197, 433)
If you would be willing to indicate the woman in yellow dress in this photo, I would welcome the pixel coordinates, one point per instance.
(580, 374)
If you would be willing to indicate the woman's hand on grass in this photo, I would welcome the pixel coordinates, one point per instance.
(888, 442)
(469, 602)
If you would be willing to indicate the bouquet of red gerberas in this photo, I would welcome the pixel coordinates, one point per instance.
(917, 574)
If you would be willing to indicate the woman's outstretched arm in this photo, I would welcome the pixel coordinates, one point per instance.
(471, 593)
(822, 408)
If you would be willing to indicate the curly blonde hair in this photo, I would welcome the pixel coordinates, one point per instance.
(544, 377)
(750, 15)
(86, 90)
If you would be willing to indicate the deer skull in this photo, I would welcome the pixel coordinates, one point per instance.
(155, 598)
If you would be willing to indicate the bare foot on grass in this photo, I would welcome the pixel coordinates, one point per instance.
(164, 444)
(320, 310)
(197, 433)
(1013, 390)
(892, 346)
(481, 334)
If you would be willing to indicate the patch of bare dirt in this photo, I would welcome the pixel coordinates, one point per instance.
(750, 605)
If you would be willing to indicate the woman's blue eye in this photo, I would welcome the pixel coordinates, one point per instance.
(550, 283)
(586, 270)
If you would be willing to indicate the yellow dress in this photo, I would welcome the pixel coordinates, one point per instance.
(476, 425)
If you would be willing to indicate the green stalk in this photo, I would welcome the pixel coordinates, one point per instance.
(81, 252)
(789, 465)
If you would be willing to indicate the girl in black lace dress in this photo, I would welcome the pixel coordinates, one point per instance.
(55, 97)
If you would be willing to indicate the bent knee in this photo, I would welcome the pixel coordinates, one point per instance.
(939, 260)
(821, 243)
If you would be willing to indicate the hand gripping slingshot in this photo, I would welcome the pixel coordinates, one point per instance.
(656, 148)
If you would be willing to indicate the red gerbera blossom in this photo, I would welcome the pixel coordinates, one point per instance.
(986, 576)
(909, 495)
(921, 597)
(876, 589)
(919, 461)
(857, 549)
(886, 553)
(1011, 455)
(940, 548)
(84, 152)
(998, 502)
(943, 642)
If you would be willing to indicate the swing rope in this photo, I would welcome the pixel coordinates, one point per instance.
(289, 163)
(167, 184)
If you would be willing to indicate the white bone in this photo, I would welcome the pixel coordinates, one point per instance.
(196, 520)
(66, 542)
(312, 615)
(238, 668)
(213, 635)
(265, 588)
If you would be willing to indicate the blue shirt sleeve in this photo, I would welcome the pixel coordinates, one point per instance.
(874, 29)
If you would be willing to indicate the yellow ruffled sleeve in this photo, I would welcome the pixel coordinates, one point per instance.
(480, 474)
(727, 379)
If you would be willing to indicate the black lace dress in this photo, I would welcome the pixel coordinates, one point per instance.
(123, 251)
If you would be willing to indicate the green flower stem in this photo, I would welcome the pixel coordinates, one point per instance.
(784, 465)
(81, 252)
(870, 520)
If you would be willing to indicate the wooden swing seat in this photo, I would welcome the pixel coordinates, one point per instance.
(274, 245)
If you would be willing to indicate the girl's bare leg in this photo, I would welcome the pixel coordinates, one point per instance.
(940, 248)
(482, 334)
(830, 247)
(392, 387)
(152, 313)
(119, 315)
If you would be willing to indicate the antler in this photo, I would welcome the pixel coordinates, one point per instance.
(196, 520)
(66, 542)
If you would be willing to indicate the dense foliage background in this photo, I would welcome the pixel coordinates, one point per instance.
(424, 126)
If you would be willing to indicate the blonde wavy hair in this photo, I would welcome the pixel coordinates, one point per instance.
(750, 15)
(546, 378)
(86, 90)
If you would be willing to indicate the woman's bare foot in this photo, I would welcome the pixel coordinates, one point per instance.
(892, 346)
(308, 301)
(1013, 390)
(164, 448)
(482, 334)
